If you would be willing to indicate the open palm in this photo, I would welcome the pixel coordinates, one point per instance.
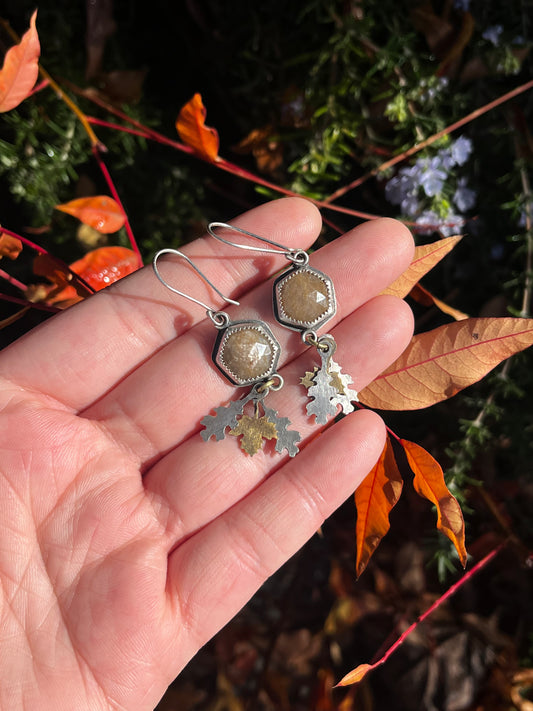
(126, 541)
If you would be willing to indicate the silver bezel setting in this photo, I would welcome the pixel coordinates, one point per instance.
(299, 325)
(222, 339)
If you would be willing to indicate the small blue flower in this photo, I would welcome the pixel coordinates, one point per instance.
(447, 160)
(522, 222)
(492, 34)
(410, 206)
(464, 197)
(461, 150)
(403, 185)
(446, 227)
(429, 218)
(432, 177)
(463, 5)
(451, 225)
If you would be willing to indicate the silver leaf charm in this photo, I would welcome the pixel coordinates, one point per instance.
(341, 381)
(226, 416)
(286, 438)
(328, 386)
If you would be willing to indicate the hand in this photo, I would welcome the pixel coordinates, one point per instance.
(126, 541)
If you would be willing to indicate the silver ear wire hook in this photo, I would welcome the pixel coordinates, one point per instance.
(219, 318)
(297, 256)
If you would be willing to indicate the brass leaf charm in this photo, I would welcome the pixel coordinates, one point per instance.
(253, 431)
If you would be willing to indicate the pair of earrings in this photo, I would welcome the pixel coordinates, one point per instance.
(247, 352)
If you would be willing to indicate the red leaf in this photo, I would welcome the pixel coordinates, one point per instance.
(20, 70)
(193, 131)
(100, 212)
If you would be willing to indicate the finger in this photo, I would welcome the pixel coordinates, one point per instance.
(198, 481)
(80, 354)
(163, 401)
(215, 572)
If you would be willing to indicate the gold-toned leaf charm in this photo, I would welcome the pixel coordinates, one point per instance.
(309, 379)
(253, 431)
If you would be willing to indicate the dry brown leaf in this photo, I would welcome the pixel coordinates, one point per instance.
(375, 497)
(439, 363)
(422, 296)
(425, 258)
(265, 148)
(429, 483)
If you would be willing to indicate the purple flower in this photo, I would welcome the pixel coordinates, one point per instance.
(451, 225)
(492, 34)
(446, 158)
(432, 177)
(464, 197)
(461, 150)
(403, 185)
(447, 227)
(522, 222)
(410, 206)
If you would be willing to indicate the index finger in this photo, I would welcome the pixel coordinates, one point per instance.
(81, 353)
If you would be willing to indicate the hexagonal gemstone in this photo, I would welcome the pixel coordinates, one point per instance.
(304, 298)
(246, 352)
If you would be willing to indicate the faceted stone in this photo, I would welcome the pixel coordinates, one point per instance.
(304, 298)
(246, 352)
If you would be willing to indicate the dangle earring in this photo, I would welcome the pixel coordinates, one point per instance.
(304, 300)
(246, 353)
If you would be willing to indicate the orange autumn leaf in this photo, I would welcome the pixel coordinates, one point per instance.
(105, 265)
(421, 295)
(356, 675)
(20, 70)
(374, 498)
(429, 483)
(439, 363)
(100, 212)
(425, 258)
(10, 247)
(97, 268)
(64, 289)
(191, 127)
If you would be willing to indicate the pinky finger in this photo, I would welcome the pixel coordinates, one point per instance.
(214, 573)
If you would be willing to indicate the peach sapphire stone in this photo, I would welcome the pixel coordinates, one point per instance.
(304, 298)
(247, 354)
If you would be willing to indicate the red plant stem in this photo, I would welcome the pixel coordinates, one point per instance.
(25, 302)
(145, 132)
(39, 87)
(25, 241)
(451, 591)
(117, 127)
(435, 137)
(220, 162)
(114, 193)
(12, 280)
